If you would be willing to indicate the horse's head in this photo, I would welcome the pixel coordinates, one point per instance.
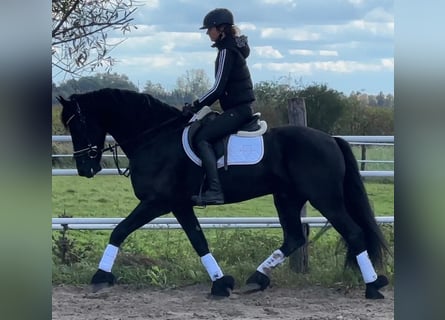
(87, 135)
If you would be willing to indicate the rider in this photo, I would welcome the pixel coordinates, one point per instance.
(234, 90)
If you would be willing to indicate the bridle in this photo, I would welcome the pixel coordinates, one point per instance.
(91, 151)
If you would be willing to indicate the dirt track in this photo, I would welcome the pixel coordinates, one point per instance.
(193, 302)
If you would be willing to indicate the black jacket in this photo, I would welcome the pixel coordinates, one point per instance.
(233, 85)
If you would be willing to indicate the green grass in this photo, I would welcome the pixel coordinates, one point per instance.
(112, 196)
(165, 258)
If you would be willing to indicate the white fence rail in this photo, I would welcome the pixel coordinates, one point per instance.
(350, 139)
(206, 223)
(372, 140)
(108, 172)
(235, 222)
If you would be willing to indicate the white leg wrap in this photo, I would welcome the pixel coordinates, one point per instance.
(212, 267)
(365, 264)
(274, 260)
(107, 261)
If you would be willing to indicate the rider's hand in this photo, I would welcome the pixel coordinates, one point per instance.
(190, 109)
(187, 109)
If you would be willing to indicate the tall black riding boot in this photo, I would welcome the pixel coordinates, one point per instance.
(214, 194)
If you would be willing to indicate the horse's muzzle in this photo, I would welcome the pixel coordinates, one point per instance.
(88, 168)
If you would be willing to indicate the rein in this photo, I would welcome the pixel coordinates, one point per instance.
(113, 148)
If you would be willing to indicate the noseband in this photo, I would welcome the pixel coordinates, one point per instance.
(90, 151)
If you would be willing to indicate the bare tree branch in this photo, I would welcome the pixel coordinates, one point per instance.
(65, 16)
(80, 28)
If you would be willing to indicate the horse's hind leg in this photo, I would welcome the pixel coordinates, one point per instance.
(142, 214)
(222, 284)
(332, 207)
(288, 207)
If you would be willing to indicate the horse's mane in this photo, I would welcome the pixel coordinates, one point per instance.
(130, 113)
(126, 95)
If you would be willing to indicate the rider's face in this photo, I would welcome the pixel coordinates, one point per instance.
(213, 33)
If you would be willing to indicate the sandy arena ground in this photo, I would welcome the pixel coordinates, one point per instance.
(193, 302)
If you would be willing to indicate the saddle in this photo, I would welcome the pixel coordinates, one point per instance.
(252, 128)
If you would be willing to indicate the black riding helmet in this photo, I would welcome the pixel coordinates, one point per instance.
(217, 17)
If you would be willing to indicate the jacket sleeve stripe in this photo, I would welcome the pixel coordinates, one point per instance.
(219, 72)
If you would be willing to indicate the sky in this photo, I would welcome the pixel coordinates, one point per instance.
(346, 44)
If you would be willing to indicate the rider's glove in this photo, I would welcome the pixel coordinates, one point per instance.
(190, 109)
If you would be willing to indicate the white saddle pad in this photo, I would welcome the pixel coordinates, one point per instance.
(241, 150)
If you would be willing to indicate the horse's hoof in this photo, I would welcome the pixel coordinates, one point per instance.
(95, 287)
(372, 288)
(256, 282)
(222, 287)
(101, 280)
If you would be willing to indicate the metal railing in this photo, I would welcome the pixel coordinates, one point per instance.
(372, 140)
(206, 223)
(233, 222)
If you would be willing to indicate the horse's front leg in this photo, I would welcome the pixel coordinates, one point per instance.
(142, 214)
(222, 285)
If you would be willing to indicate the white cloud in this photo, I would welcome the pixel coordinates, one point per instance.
(142, 29)
(380, 28)
(352, 28)
(245, 26)
(149, 3)
(304, 52)
(301, 52)
(308, 68)
(328, 53)
(280, 2)
(354, 66)
(289, 33)
(169, 60)
(345, 66)
(356, 2)
(268, 52)
(181, 38)
(151, 61)
(168, 47)
(379, 14)
(388, 63)
(165, 41)
(284, 68)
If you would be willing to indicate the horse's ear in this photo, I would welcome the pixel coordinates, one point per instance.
(61, 99)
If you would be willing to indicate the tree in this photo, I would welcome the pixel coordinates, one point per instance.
(380, 99)
(389, 101)
(193, 84)
(156, 90)
(272, 101)
(79, 32)
(364, 120)
(350, 122)
(324, 106)
(90, 83)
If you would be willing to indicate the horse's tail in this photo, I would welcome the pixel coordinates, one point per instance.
(358, 206)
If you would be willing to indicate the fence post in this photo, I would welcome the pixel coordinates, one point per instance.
(299, 260)
(363, 164)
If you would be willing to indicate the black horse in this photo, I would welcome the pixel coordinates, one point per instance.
(299, 164)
